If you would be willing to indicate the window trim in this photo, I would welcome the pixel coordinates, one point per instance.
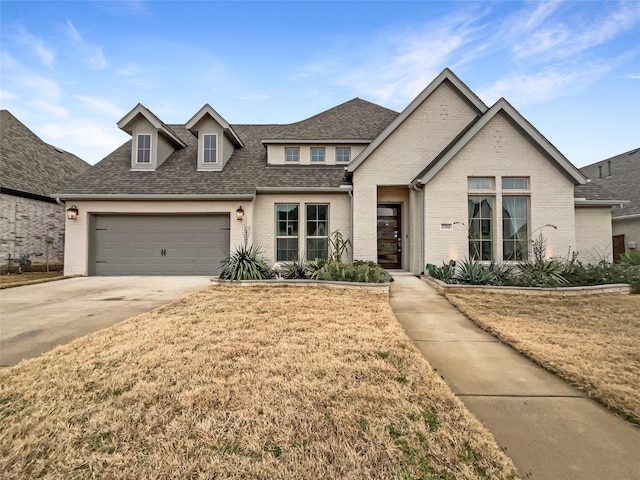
(315, 237)
(341, 162)
(527, 188)
(492, 188)
(318, 149)
(277, 237)
(528, 225)
(286, 159)
(204, 149)
(138, 151)
(492, 229)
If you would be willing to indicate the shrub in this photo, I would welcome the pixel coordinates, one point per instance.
(245, 263)
(472, 272)
(502, 273)
(540, 273)
(295, 270)
(445, 273)
(632, 257)
(347, 272)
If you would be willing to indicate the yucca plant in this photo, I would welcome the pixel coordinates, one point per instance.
(245, 263)
(542, 273)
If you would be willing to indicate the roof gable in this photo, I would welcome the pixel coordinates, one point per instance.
(501, 106)
(127, 121)
(207, 110)
(445, 76)
(30, 165)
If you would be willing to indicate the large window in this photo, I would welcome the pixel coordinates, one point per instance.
(515, 227)
(292, 154)
(286, 232)
(144, 149)
(481, 228)
(317, 231)
(210, 149)
(343, 155)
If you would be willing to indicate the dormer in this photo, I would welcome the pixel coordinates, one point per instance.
(216, 138)
(152, 141)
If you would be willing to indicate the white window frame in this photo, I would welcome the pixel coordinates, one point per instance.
(292, 149)
(204, 149)
(348, 150)
(148, 150)
(318, 150)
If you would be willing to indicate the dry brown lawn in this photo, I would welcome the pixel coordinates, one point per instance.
(591, 341)
(27, 278)
(264, 383)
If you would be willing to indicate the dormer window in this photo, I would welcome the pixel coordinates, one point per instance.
(210, 154)
(292, 155)
(317, 155)
(343, 155)
(144, 149)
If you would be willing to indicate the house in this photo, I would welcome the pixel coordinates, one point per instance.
(446, 178)
(621, 174)
(31, 221)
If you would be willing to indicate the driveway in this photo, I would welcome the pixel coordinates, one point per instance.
(37, 318)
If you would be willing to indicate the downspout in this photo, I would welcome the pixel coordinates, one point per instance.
(350, 192)
(60, 202)
(422, 256)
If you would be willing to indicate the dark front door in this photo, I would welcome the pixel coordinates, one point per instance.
(389, 236)
(618, 247)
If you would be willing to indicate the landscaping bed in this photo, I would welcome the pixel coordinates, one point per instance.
(263, 382)
(591, 341)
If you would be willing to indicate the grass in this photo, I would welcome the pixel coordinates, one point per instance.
(591, 341)
(28, 278)
(264, 382)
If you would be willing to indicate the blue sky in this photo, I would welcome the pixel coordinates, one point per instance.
(71, 70)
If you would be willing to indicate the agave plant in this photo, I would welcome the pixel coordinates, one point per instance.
(472, 272)
(245, 263)
(542, 273)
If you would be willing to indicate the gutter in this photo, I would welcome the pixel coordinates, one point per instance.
(583, 202)
(341, 189)
(626, 217)
(129, 196)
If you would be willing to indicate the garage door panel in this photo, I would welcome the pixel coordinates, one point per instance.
(159, 245)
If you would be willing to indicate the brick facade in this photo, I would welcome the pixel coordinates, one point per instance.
(31, 227)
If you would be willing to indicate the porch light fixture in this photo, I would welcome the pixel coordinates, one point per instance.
(240, 213)
(72, 212)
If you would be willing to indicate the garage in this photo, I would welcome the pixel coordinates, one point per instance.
(158, 244)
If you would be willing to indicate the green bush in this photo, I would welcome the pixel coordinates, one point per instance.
(632, 257)
(445, 273)
(348, 272)
(472, 272)
(540, 273)
(296, 269)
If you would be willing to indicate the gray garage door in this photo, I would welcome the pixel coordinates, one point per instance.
(158, 244)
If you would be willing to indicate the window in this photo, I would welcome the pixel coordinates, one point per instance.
(515, 228)
(480, 183)
(292, 154)
(144, 149)
(343, 155)
(509, 183)
(481, 228)
(210, 149)
(286, 232)
(317, 231)
(317, 154)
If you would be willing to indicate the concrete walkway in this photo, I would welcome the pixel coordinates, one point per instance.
(549, 429)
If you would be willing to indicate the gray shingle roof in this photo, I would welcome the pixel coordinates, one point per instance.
(624, 181)
(356, 119)
(27, 164)
(247, 169)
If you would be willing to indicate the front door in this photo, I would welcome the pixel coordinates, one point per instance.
(618, 247)
(389, 236)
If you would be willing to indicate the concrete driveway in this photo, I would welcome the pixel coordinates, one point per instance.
(37, 318)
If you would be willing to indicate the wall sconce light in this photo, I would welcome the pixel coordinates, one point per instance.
(240, 213)
(72, 212)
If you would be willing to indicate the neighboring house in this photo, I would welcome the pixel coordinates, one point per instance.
(446, 178)
(31, 221)
(621, 175)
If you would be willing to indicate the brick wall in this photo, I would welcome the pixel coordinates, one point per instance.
(593, 234)
(31, 227)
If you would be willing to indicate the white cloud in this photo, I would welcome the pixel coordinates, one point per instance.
(39, 47)
(42, 107)
(93, 56)
(544, 85)
(100, 105)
